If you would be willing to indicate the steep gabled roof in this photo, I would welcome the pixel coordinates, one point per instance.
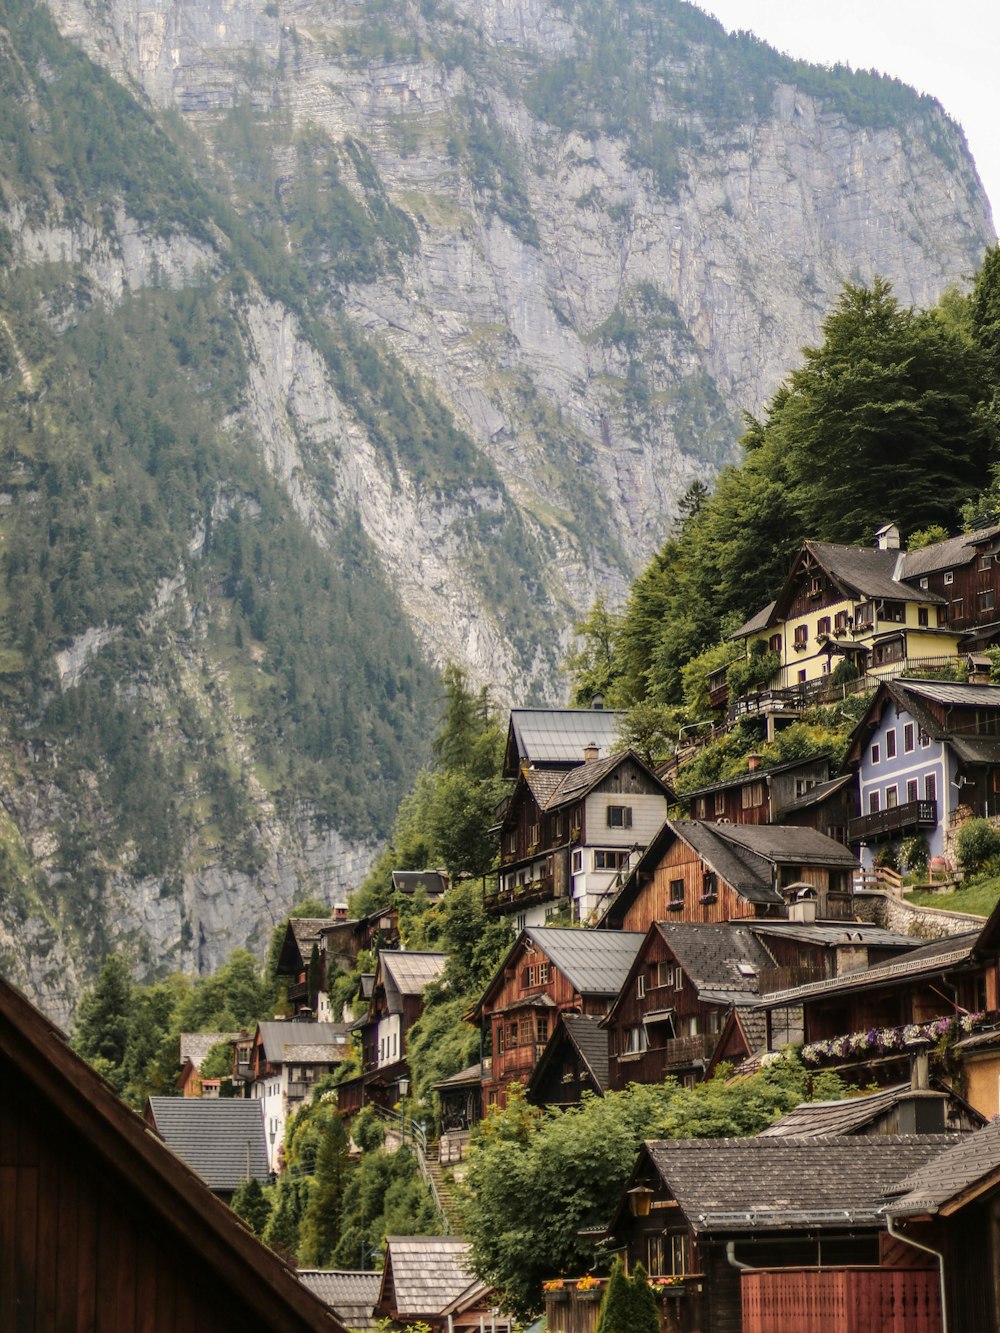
(433, 882)
(351, 1295)
(815, 795)
(220, 1138)
(194, 1046)
(949, 554)
(183, 1215)
(787, 844)
(424, 1274)
(711, 955)
(557, 736)
(940, 1184)
(410, 973)
(301, 933)
(731, 1186)
(595, 962)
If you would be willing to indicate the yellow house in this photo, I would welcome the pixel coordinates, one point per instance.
(849, 602)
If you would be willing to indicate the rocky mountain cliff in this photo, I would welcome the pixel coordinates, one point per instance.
(415, 319)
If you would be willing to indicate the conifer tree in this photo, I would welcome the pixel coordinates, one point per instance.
(250, 1203)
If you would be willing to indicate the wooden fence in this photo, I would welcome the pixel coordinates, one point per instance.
(841, 1300)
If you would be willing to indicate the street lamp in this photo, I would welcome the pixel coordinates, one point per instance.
(639, 1199)
(404, 1087)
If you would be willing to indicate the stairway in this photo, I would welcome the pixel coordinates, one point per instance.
(446, 1196)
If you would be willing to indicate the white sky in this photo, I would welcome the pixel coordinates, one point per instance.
(948, 48)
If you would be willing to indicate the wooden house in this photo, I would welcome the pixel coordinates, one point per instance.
(756, 796)
(102, 1226)
(951, 1206)
(397, 1001)
(904, 1108)
(927, 757)
(574, 1061)
(695, 871)
(193, 1050)
(427, 1280)
(726, 1227)
(568, 836)
(668, 1015)
(964, 572)
(547, 971)
(286, 1058)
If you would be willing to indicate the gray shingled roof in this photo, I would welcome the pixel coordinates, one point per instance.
(755, 624)
(948, 1175)
(710, 954)
(595, 962)
(752, 775)
(829, 934)
(559, 735)
(351, 1295)
(428, 1272)
(928, 958)
(953, 551)
(194, 1046)
(788, 843)
(211, 1136)
(409, 973)
(849, 1115)
(951, 692)
(816, 794)
(542, 783)
(408, 881)
(767, 1184)
(279, 1037)
(868, 572)
(470, 1074)
(749, 877)
(591, 1043)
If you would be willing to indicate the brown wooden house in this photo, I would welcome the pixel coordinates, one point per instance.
(714, 873)
(755, 797)
(670, 1010)
(575, 1061)
(567, 836)
(102, 1227)
(963, 571)
(738, 1233)
(427, 1280)
(547, 971)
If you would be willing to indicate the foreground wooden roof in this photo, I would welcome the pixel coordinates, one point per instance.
(102, 1227)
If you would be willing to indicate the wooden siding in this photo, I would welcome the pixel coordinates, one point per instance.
(891, 1005)
(962, 594)
(665, 1055)
(82, 1249)
(652, 903)
(843, 1300)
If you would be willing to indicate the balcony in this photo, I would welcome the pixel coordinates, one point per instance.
(840, 1300)
(522, 895)
(897, 819)
(687, 1050)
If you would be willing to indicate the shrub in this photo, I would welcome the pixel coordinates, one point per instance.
(367, 1130)
(977, 844)
(913, 854)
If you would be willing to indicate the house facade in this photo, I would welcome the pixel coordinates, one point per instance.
(715, 873)
(927, 756)
(668, 1015)
(547, 971)
(756, 797)
(568, 837)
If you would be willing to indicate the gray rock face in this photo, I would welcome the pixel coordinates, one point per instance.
(596, 333)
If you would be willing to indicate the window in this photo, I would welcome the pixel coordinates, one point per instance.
(890, 743)
(666, 1254)
(985, 561)
(521, 921)
(908, 737)
(802, 677)
(557, 826)
(677, 892)
(840, 622)
(802, 785)
(864, 615)
(510, 842)
(930, 787)
(949, 577)
(610, 858)
(529, 976)
(925, 740)
(702, 807)
(986, 600)
(753, 794)
(543, 974)
(774, 643)
(924, 583)
(801, 637)
(957, 609)
(912, 790)
(720, 802)
(709, 886)
(669, 975)
(876, 753)
(534, 831)
(873, 803)
(619, 816)
(640, 986)
(891, 797)
(923, 617)
(823, 625)
(527, 1031)
(635, 1040)
(577, 861)
(542, 1028)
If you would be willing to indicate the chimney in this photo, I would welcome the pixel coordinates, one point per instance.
(597, 702)
(754, 762)
(887, 538)
(920, 1071)
(802, 910)
(591, 751)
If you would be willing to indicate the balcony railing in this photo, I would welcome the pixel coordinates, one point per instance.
(689, 1050)
(771, 979)
(884, 823)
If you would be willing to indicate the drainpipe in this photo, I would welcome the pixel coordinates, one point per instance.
(733, 1262)
(919, 1245)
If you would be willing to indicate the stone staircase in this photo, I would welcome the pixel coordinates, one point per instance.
(445, 1196)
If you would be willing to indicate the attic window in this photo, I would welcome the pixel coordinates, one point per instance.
(619, 816)
(746, 969)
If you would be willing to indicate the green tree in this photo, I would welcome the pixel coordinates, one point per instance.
(616, 1304)
(251, 1203)
(321, 1222)
(104, 1015)
(592, 664)
(644, 1317)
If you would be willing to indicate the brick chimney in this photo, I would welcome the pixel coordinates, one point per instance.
(754, 762)
(591, 751)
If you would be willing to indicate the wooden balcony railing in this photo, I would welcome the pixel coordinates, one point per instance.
(689, 1050)
(884, 823)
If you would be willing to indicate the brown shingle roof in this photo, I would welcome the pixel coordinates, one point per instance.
(425, 1273)
(351, 1295)
(949, 1174)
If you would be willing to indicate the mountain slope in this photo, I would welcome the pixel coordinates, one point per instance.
(336, 343)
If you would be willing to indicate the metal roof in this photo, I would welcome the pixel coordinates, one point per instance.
(222, 1138)
(279, 1037)
(954, 693)
(559, 735)
(595, 962)
(408, 972)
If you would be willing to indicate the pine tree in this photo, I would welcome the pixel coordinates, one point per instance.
(250, 1203)
(102, 1024)
(321, 1223)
